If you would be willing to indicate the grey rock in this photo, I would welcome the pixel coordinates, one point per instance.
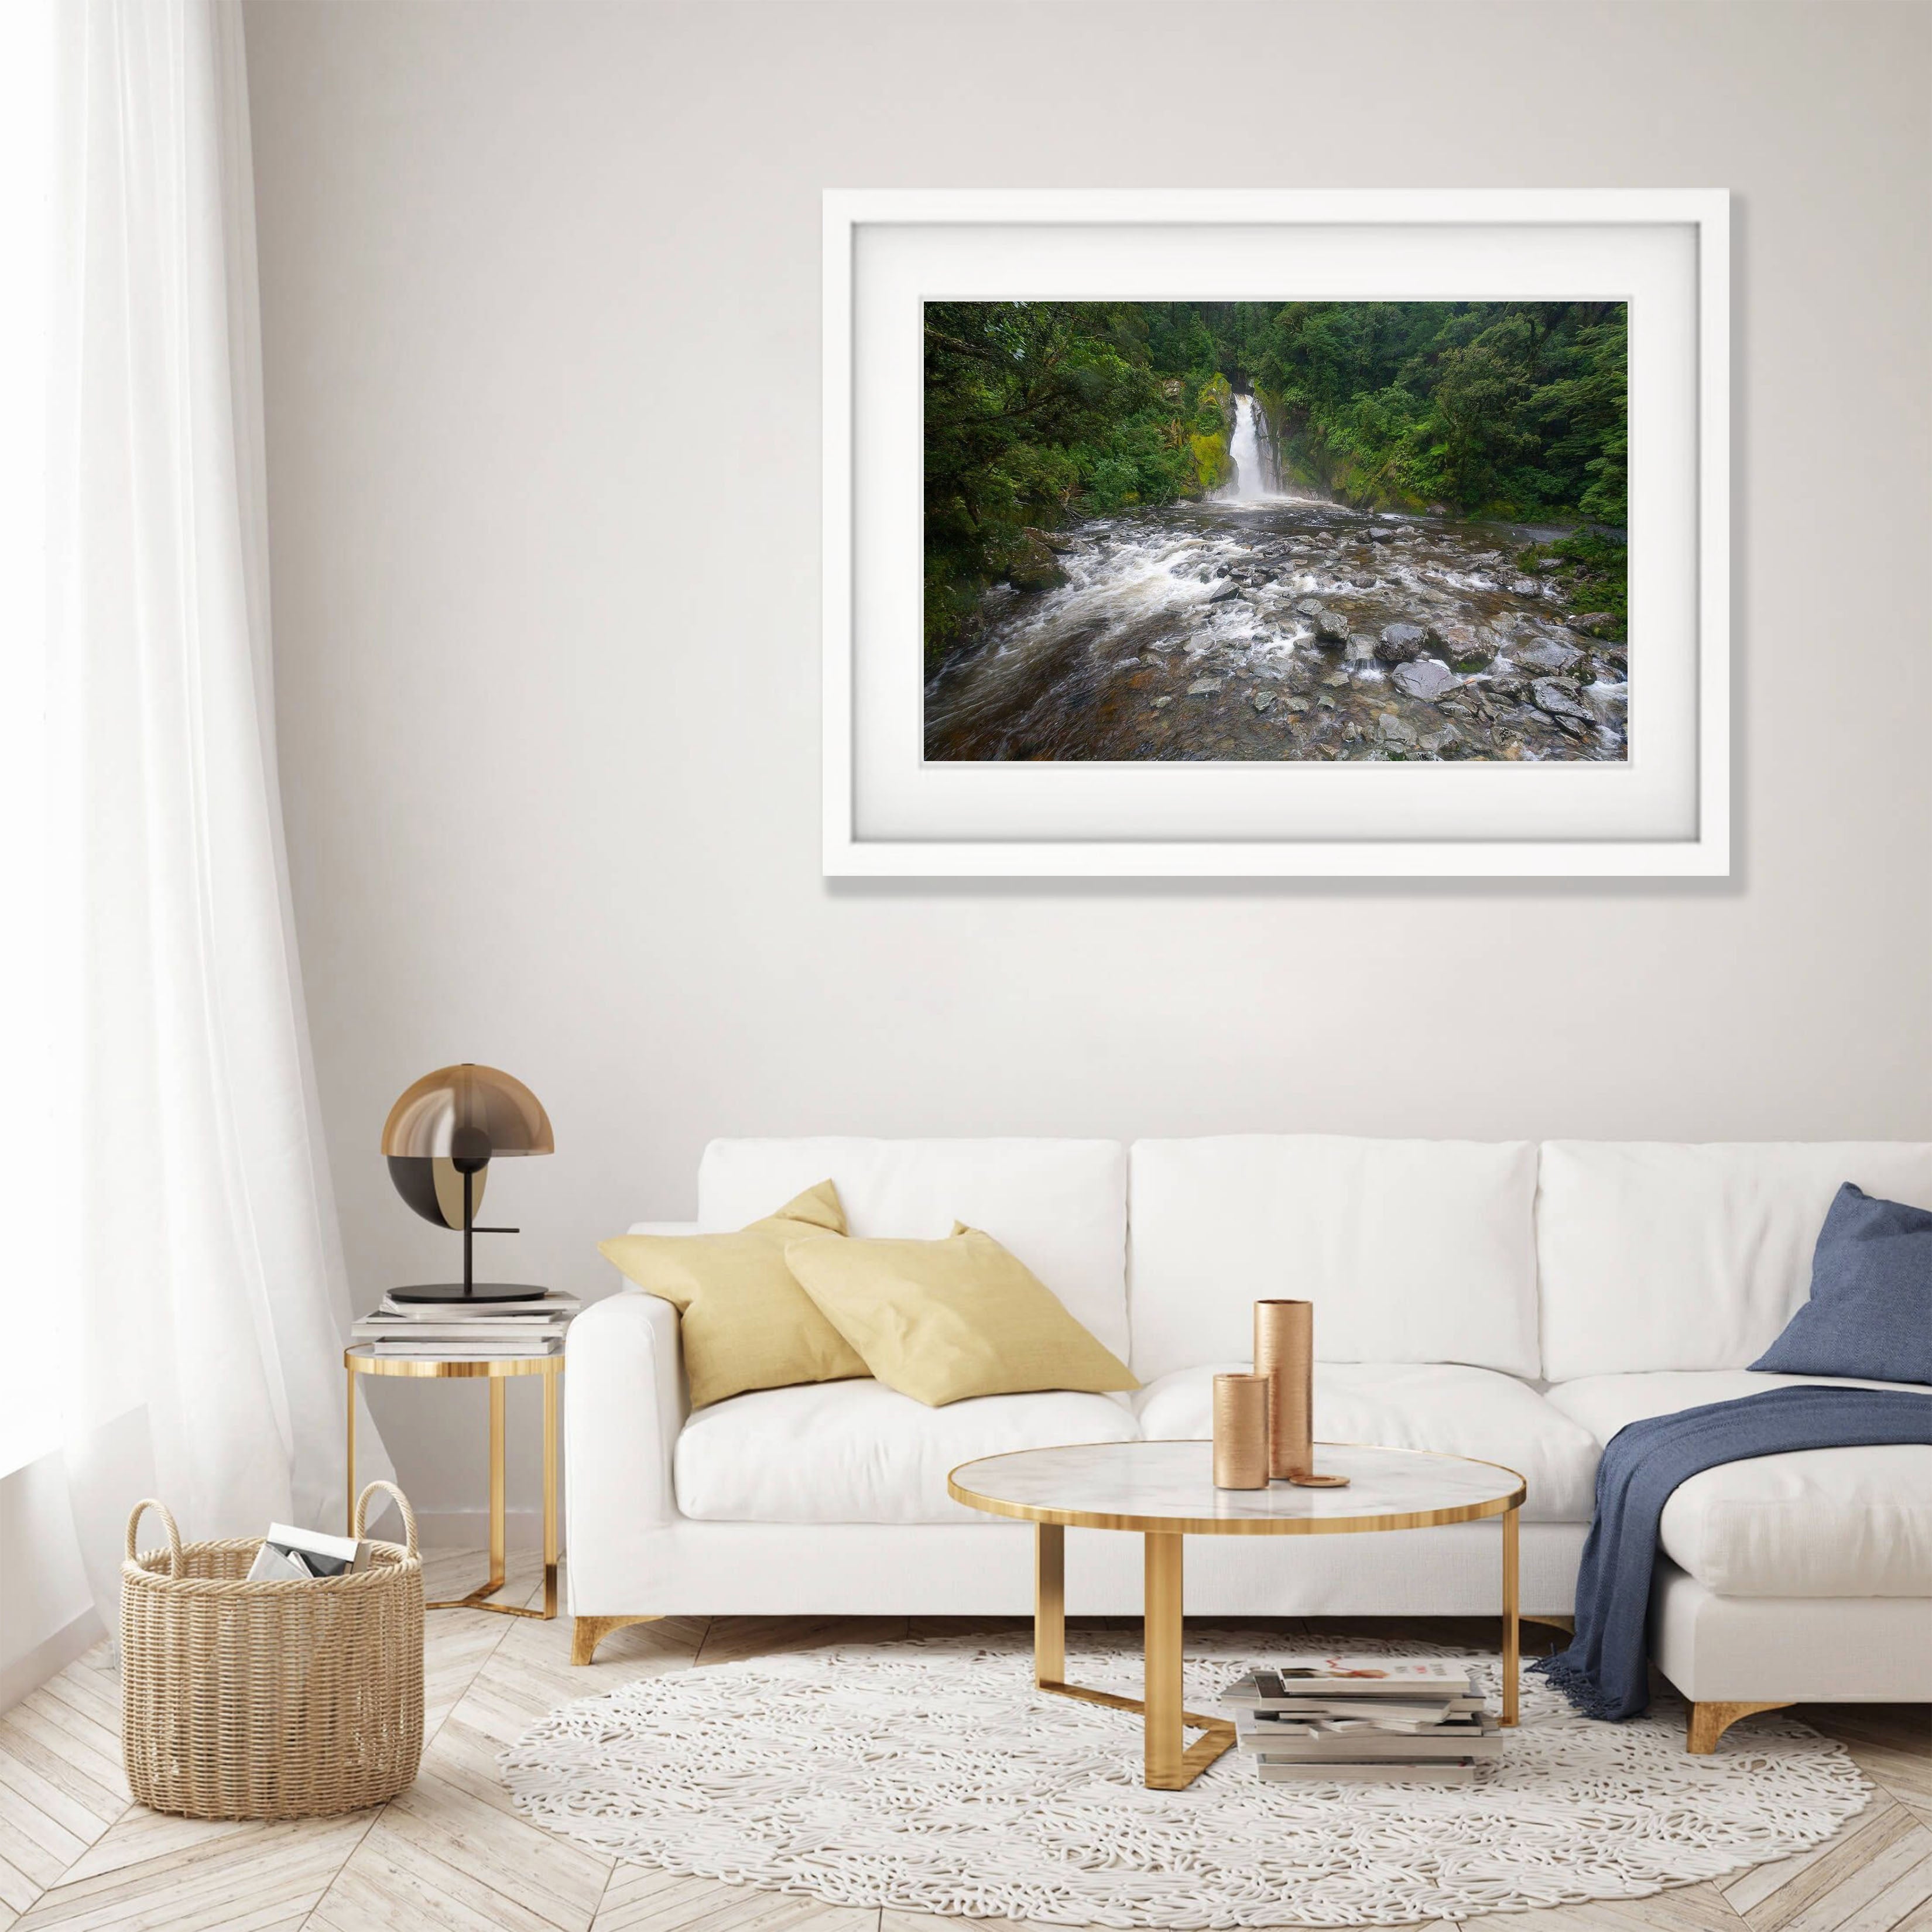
(1467, 646)
(1201, 686)
(1337, 678)
(1382, 534)
(1226, 591)
(1550, 658)
(1260, 699)
(1161, 703)
(1033, 566)
(1524, 587)
(1331, 627)
(1400, 643)
(1295, 704)
(1560, 698)
(1394, 733)
(1061, 546)
(1595, 623)
(1426, 678)
(1310, 606)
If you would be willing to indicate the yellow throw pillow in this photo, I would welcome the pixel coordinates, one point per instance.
(746, 1322)
(940, 1321)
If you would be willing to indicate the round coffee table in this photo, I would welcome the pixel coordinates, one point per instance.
(1166, 1490)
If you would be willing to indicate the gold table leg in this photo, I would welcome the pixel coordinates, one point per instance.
(1169, 1767)
(1512, 1629)
(499, 1508)
(349, 1501)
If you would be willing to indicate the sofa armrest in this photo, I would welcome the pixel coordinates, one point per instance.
(625, 1405)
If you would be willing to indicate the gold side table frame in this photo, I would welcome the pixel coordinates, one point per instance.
(363, 1361)
(1172, 1763)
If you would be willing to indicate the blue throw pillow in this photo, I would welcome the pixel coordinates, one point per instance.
(1871, 1310)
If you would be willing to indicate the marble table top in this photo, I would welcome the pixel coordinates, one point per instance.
(1169, 1487)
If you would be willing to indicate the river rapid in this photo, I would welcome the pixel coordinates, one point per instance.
(1269, 625)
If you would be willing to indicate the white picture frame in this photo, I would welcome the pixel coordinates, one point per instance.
(1665, 812)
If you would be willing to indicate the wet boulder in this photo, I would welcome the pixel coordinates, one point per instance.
(1201, 686)
(1331, 627)
(1033, 566)
(1395, 735)
(1222, 592)
(1400, 643)
(1613, 666)
(1561, 699)
(1551, 658)
(1425, 678)
(1467, 646)
(1381, 533)
(1596, 623)
(1061, 546)
(1261, 698)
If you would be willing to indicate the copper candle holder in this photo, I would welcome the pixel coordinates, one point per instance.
(1240, 1432)
(1285, 1354)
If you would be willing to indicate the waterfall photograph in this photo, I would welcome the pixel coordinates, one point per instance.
(1297, 531)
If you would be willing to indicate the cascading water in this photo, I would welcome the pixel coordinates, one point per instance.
(1253, 454)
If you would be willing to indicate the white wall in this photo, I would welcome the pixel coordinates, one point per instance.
(46, 1614)
(540, 287)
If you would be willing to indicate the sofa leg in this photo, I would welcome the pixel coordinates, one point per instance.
(1709, 1722)
(590, 1632)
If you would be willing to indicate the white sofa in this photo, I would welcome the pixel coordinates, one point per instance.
(1506, 1301)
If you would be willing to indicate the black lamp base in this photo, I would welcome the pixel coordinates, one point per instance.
(453, 1292)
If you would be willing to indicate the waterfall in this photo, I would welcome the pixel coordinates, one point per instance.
(1253, 454)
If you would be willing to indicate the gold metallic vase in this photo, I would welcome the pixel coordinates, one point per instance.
(1285, 1354)
(1240, 1432)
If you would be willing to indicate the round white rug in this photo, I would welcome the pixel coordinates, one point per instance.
(931, 1776)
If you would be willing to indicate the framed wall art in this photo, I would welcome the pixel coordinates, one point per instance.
(1276, 533)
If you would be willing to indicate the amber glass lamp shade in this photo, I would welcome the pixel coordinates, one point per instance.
(440, 1139)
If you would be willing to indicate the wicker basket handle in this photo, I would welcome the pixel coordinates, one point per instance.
(167, 1523)
(402, 1503)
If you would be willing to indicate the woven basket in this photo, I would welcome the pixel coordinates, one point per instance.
(269, 1700)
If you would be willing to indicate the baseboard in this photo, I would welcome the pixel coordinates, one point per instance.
(470, 1529)
(51, 1655)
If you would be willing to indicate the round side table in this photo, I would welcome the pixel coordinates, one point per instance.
(1166, 1491)
(363, 1361)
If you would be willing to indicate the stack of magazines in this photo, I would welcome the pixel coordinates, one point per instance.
(469, 1331)
(289, 1556)
(1407, 1720)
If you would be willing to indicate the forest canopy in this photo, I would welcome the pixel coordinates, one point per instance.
(1039, 413)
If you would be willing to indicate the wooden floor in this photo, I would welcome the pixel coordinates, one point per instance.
(451, 1851)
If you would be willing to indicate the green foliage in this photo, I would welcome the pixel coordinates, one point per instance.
(1040, 413)
(1506, 408)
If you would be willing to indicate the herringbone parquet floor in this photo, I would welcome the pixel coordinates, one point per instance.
(451, 1853)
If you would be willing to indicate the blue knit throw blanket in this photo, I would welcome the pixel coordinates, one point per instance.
(1603, 1672)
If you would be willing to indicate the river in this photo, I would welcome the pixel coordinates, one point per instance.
(1266, 623)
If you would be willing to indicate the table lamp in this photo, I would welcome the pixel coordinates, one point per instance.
(439, 1140)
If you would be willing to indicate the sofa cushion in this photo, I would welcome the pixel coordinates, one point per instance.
(1403, 1406)
(1870, 1312)
(1655, 1256)
(1812, 1523)
(859, 1452)
(1412, 1251)
(743, 1320)
(1060, 1205)
(944, 1321)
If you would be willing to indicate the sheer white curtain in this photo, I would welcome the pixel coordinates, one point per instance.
(200, 1262)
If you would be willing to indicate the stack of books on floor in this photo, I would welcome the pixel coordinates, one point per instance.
(1415, 1721)
(468, 1331)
